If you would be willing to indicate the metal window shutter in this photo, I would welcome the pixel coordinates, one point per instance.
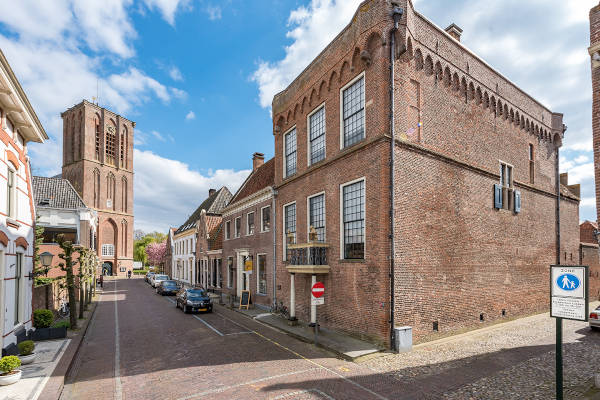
(497, 196)
(517, 201)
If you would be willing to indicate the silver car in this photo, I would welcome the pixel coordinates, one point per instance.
(157, 278)
(595, 319)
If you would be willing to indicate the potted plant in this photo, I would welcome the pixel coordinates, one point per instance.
(26, 353)
(10, 374)
(44, 330)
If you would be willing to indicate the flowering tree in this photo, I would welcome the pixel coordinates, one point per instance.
(156, 252)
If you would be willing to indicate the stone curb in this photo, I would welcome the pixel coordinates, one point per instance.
(301, 338)
(53, 388)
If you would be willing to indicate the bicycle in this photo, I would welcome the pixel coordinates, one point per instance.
(64, 310)
(280, 309)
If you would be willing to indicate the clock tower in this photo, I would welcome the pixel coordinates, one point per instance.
(98, 161)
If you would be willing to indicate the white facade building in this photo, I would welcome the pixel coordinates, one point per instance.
(184, 256)
(19, 125)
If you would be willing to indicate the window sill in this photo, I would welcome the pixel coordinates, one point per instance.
(261, 294)
(268, 230)
(352, 260)
(344, 148)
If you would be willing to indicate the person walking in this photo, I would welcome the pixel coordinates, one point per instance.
(129, 274)
(102, 281)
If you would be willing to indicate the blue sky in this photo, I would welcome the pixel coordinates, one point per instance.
(198, 77)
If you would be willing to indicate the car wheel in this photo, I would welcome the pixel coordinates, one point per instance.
(594, 328)
(185, 309)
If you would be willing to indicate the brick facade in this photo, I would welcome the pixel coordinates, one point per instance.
(98, 161)
(457, 259)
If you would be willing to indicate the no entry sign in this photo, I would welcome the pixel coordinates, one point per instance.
(317, 292)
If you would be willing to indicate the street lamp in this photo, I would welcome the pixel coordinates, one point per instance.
(46, 258)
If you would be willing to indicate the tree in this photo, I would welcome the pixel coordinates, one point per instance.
(156, 252)
(139, 246)
(67, 266)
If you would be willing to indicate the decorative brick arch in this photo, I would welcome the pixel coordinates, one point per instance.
(21, 242)
(10, 156)
(3, 239)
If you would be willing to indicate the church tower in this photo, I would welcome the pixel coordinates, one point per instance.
(98, 161)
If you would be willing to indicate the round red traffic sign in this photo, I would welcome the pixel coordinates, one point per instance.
(318, 290)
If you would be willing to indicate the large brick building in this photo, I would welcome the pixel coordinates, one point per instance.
(432, 185)
(98, 161)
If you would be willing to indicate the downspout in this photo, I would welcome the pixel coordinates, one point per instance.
(397, 13)
(274, 229)
(557, 208)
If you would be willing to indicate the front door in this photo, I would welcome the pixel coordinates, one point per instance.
(107, 268)
(242, 277)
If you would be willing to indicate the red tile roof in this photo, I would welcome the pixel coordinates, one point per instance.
(263, 177)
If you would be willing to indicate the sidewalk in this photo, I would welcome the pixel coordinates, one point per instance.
(342, 345)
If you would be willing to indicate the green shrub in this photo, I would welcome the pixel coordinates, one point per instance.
(42, 318)
(60, 324)
(140, 271)
(26, 347)
(9, 364)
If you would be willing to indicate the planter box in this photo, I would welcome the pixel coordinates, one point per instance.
(49, 333)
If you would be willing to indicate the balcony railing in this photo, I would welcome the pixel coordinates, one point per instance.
(308, 258)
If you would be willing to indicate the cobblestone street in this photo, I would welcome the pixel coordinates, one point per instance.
(165, 354)
(514, 360)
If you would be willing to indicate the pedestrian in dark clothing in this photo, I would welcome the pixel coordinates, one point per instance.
(102, 281)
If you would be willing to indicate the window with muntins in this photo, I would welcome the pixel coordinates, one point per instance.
(290, 153)
(354, 112)
(290, 225)
(228, 230)
(108, 250)
(97, 123)
(317, 135)
(250, 227)
(316, 207)
(238, 226)
(531, 165)
(266, 219)
(110, 145)
(353, 203)
(262, 273)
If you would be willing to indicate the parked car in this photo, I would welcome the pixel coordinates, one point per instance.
(595, 319)
(194, 299)
(167, 288)
(157, 278)
(148, 276)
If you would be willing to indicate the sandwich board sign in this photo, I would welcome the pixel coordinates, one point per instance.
(569, 295)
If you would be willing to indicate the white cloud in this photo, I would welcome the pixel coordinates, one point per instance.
(214, 12)
(190, 116)
(581, 173)
(158, 135)
(158, 178)
(175, 74)
(312, 28)
(168, 8)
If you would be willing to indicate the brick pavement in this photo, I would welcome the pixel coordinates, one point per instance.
(166, 354)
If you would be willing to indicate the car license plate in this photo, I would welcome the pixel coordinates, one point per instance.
(202, 309)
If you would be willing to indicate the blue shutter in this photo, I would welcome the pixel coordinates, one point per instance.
(517, 201)
(497, 196)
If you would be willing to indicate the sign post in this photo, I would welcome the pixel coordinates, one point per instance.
(569, 299)
(316, 298)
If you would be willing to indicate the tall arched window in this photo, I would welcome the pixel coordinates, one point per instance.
(110, 191)
(97, 125)
(124, 194)
(96, 188)
(111, 137)
(123, 152)
(81, 134)
(124, 238)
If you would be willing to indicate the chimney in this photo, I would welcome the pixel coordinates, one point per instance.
(211, 192)
(258, 159)
(454, 31)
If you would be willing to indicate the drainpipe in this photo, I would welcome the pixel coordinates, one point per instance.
(557, 208)
(274, 229)
(397, 13)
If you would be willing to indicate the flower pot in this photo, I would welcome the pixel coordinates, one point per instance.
(11, 378)
(28, 359)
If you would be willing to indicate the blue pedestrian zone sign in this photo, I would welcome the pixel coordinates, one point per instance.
(569, 297)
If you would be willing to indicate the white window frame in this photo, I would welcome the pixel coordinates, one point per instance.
(308, 214)
(308, 142)
(283, 219)
(258, 255)
(512, 174)
(262, 228)
(248, 223)
(228, 231)
(107, 253)
(237, 233)
(19, 277)
(11, 195)
(285, 156)
(229, 283)
(356, 78)
(364, 179)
